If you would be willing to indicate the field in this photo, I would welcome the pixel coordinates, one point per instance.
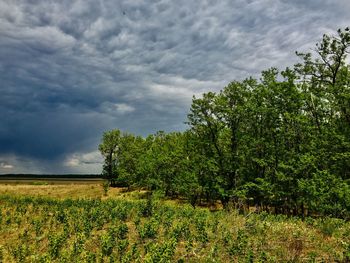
(74, 222)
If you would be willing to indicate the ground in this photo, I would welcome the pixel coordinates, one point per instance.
(68, 222)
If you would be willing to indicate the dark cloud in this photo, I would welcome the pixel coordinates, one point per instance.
(70, 70)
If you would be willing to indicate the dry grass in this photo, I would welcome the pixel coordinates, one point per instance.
(70, 190)
(55, 191)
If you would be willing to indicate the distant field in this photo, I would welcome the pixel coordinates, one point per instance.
(26, 180)
(58, 189)
(49, 179)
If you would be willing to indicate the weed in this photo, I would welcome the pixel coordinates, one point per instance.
(122, 231)
(55, 245)
(107, 244)
(329, 226)
(105, 186)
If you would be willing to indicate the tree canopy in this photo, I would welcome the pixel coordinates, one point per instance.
(281, 142)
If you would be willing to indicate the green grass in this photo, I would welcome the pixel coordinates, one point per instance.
(123, 228)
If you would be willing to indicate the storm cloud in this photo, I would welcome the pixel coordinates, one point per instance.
(70, 70)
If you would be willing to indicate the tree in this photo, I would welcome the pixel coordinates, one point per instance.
(164, 163)
(207, 130)
(281, 143)
(130, 149)
(109, 150)
(325, 84)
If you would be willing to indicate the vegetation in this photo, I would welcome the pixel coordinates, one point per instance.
(281, 143)
(124, 227)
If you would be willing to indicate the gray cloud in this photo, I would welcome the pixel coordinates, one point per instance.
(70, 70)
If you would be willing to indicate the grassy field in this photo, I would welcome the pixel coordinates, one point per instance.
(58, 190)
(79, 223)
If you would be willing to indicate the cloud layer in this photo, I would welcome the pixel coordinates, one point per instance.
(70, 70)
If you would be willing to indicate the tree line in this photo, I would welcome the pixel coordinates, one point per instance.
(281, 142)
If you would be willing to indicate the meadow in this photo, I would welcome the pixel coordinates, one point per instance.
(40, 222)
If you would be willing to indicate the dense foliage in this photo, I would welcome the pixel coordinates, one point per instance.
(281, 143)
(43, 229)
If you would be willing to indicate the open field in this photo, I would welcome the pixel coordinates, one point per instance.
(79, 223)
(62, 190)
(49, 179)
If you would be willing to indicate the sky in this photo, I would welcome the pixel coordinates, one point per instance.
(72, 69)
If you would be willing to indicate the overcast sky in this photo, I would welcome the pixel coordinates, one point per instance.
(70, 70)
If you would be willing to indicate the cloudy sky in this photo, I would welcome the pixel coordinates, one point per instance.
(70, 70)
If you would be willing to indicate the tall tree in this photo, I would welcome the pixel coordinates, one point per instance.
(109, 149)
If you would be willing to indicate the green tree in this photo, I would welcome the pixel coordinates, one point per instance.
(109, 150)
(130, 149)
(164, 162)
(281, 143)
(207, 130)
